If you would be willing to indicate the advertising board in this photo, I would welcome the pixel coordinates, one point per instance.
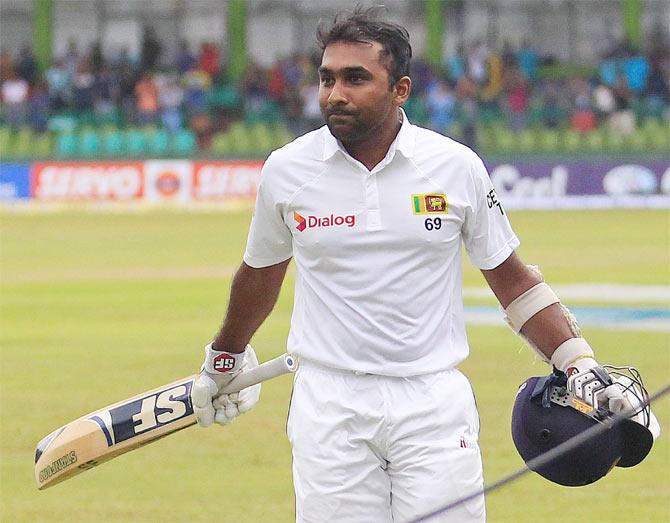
(524, 183)
(14, 182)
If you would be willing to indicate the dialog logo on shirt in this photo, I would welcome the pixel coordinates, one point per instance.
(302, 223)
(429, 203)
(312, 222)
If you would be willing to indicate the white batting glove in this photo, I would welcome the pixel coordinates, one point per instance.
(217, 371)
(595, 387)
(575, 358)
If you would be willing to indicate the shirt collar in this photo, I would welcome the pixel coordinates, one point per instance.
(404, 141)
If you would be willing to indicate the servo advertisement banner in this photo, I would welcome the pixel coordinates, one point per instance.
(153, 181)
(87, 181)
(524, 183)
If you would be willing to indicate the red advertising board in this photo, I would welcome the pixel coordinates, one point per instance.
(539, 183)
(179, 181)
(87, 181)
(214, 181)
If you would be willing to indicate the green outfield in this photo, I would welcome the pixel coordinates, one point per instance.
(99, 307)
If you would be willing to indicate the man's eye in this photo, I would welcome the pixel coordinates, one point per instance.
(356, 78)
(326, 81)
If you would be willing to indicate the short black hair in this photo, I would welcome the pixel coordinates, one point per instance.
(365, 26)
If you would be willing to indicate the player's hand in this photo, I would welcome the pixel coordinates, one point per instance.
(594, 386)
(217, 371)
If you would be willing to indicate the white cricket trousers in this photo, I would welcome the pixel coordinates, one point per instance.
(377, 449)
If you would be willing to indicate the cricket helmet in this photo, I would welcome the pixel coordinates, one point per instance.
(545, 415)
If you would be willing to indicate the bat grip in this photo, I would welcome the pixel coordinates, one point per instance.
(270, 369)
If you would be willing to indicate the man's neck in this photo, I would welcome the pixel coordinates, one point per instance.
(373, 150)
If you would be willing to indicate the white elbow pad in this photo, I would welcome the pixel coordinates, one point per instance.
(528, 304)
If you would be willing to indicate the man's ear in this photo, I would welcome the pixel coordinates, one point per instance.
(402, 89)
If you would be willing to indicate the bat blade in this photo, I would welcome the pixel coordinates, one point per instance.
(114, 430)
(124, 426)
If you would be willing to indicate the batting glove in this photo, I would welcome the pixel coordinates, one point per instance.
(218, 370)
(589, 381)
(594, 386)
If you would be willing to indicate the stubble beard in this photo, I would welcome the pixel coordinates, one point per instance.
(360, 131)
(356, 133)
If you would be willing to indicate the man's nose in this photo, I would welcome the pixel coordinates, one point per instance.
(336, 96)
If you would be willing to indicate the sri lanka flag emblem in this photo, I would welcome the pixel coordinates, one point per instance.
(429, 203)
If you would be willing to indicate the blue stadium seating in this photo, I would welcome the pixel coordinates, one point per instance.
(67, 145)
(159, 143)
(184, 143)
(113, 143)
(136, 143)
(89, 143)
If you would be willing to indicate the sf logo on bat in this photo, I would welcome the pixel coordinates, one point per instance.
(144, 414)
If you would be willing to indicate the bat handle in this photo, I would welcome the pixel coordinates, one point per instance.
(270, 369)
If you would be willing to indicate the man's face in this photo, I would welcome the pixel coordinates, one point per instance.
(354, 92)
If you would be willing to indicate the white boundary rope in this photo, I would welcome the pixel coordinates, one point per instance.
(545, 458)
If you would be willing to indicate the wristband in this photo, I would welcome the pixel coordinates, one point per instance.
(569, 352)
(222, 362)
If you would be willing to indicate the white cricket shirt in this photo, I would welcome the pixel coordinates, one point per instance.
(377, 253)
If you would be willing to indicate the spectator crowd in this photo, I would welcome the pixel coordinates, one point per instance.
(476, 84)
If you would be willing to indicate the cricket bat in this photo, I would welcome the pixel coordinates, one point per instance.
(132, 423)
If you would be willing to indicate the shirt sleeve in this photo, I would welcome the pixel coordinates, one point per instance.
(270, 240)
(487, 234)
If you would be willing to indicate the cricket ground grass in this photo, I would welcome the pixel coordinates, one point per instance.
(98, 307)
